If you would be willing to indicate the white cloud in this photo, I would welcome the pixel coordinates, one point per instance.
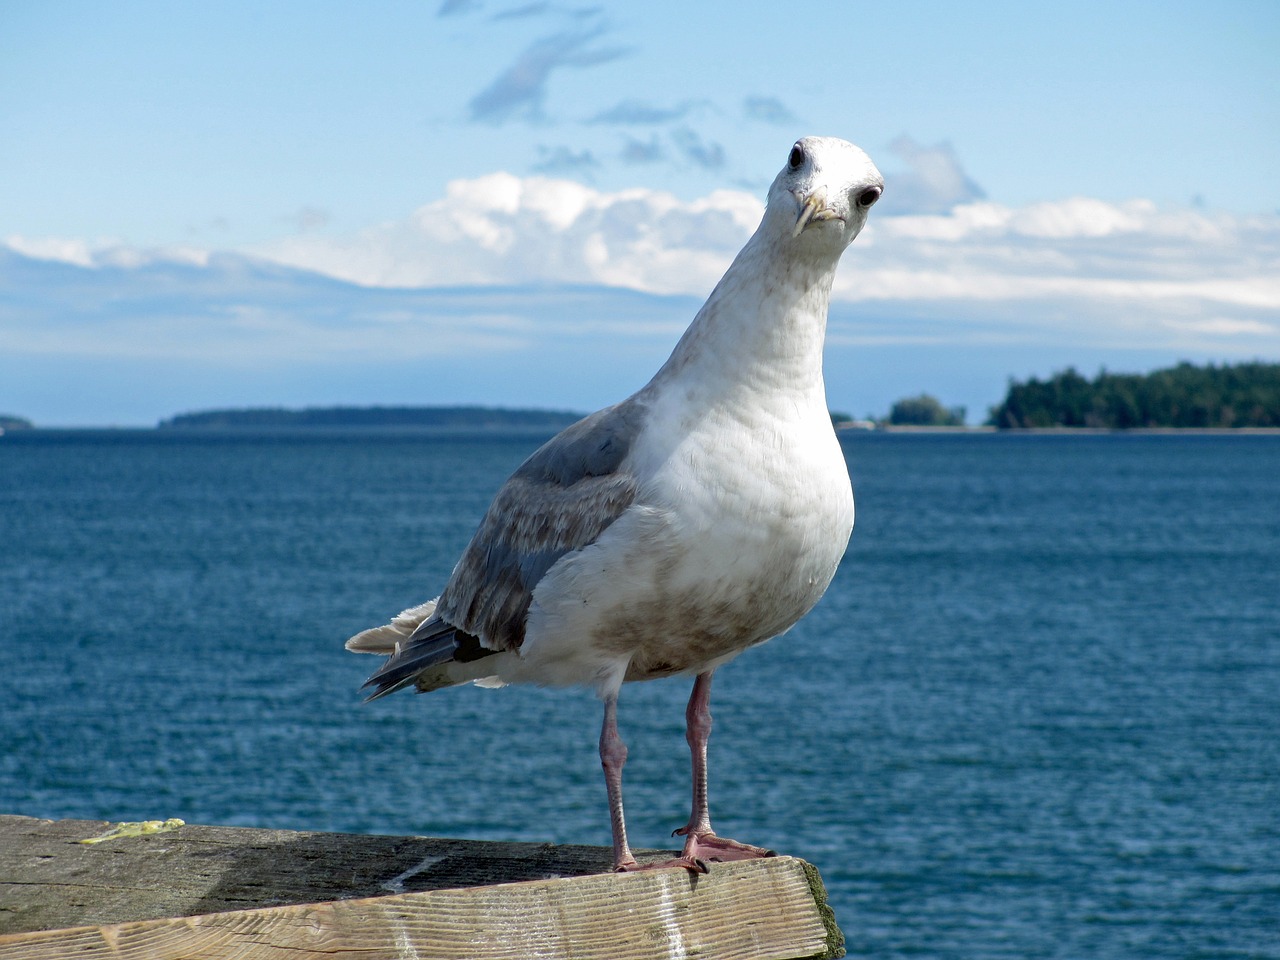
(933, 182)
(1080, 217)
(1076, 271)
(82, 253)
(1225, 326)
(73, 251)
(520, 91)
(1080, 260)
(496, 291)
(501, 229)
(1080, 250)
(957, 224)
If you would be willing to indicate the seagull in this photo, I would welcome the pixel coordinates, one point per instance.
(664, 535)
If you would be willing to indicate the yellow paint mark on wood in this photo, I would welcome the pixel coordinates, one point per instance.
(142, 828)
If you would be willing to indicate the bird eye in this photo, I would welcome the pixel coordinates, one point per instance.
(868, 196)
(797, 156)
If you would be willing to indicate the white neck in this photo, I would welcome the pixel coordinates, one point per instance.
(764, 325)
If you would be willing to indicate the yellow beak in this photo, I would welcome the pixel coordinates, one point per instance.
(815, 209)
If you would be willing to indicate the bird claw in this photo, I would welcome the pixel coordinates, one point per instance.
(700, 844)
(694, 864)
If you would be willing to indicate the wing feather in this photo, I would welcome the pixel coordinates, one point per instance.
(559, 500)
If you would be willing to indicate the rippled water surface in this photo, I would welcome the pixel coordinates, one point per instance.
(1036, 714)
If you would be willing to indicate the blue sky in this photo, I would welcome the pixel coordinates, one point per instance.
(181, 185)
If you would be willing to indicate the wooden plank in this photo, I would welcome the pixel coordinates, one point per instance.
(762, 910)
(155, 896)
(49, 878)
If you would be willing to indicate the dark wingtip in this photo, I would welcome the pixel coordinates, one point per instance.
(383, 689)
(432, 644)
(393, 675)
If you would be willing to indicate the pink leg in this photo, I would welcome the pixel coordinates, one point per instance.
(701, 843)
(697, 731)
(613, 756)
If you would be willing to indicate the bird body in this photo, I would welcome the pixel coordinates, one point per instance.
(666, 534)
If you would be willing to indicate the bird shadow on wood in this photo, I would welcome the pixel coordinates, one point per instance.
(275, 868)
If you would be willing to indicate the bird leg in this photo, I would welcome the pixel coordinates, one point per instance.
(701, 843)
(613, 756)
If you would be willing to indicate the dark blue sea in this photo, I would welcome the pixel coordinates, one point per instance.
(1036, 715)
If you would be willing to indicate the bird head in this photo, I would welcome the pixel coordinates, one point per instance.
(822, 195)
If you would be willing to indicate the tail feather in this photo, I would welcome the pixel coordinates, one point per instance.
(420, 648)
(384, 640)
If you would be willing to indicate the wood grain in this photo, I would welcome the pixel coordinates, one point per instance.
(165, 895)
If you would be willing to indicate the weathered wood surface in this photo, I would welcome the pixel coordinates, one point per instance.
(293, 894)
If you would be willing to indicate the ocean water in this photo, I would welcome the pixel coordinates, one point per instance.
(1036, 715)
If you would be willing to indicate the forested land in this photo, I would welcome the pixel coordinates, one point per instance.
(468, 418)
(925, 410)
(1187, 396)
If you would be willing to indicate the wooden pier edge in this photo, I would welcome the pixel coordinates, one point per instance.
(182, 891)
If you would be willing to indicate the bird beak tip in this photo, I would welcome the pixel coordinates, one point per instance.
(813, 209)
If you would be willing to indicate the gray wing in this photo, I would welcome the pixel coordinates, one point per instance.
(559, 500)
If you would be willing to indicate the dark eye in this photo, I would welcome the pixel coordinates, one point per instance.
(868, 196)
(797, 156)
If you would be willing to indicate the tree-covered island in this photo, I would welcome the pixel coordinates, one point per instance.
(925, 410)
(1185, 396)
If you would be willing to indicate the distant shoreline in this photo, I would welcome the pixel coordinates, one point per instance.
(541, 429)
(287, 430)
(1058, 431)
(375, 417)
(1073, 430)
(477, 420)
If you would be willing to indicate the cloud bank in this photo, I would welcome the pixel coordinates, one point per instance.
(1082, 267)
(517, 278)
(1078, 270)
(502, 229)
